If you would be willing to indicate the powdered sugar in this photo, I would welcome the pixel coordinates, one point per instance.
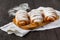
(21, 15)
(35, 15)
(49, 12)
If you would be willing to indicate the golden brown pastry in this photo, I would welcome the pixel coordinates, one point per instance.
(48, 13)
(33, 26)
(36, 20)
(21, 18)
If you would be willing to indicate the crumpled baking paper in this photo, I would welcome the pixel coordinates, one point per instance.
(12, 28)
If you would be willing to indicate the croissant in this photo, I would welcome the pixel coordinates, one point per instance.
(21, 18)
(50, 14)
(36, 20)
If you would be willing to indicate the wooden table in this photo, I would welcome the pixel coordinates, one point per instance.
(5, 5)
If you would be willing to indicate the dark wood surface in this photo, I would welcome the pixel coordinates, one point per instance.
(5, 5)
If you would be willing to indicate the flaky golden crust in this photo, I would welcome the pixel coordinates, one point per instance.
(20, 23)
(26, 25)
(49, 19)
(33, 26)
(29, 26)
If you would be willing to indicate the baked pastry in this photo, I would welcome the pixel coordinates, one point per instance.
(35, 16)
(36, 20)
(48, 13)
(21, 18)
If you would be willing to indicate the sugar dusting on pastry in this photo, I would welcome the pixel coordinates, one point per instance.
(49, 12)
(21, 15)
(35, 15)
